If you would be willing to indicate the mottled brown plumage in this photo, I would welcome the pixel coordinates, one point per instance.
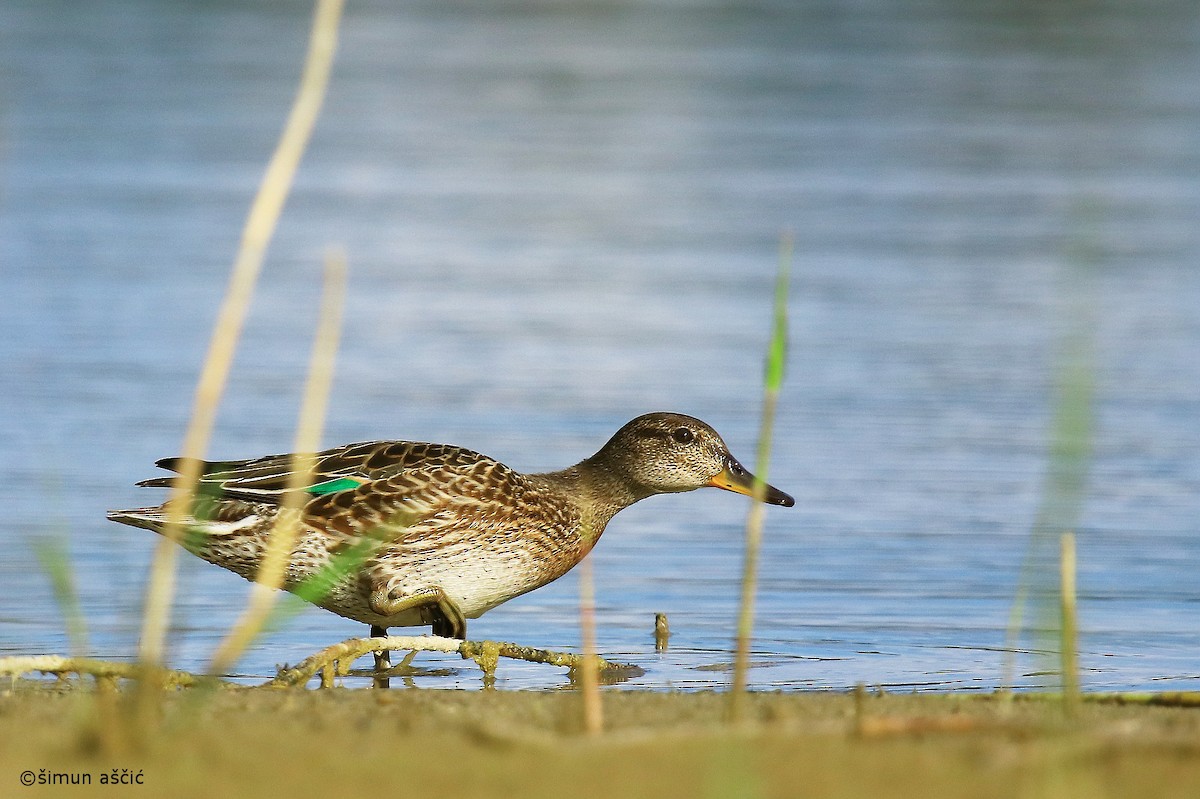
(436, 534)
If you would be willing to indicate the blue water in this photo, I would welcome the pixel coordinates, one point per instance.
(560, 215)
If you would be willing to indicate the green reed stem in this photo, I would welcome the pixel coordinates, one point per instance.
(313, 590)
(56, 564)
(1062, 492)
(776, 363)
(106, 729)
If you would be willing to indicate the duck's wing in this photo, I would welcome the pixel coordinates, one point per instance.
(266, 479)
(374, 488)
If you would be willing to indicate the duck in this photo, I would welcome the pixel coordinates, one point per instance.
(409, 534)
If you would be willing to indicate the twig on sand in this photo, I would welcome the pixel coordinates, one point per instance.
(486, 654)
(330, 662)
(100, 669)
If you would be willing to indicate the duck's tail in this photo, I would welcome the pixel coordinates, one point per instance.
(146, 518)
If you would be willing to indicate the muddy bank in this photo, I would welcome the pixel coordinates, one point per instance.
(494, 743)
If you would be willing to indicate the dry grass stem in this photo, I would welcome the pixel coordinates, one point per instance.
(260, 225)
(1069, 646)
(589, 677)
(273, 569)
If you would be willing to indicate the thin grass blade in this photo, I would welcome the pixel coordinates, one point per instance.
(776, 363)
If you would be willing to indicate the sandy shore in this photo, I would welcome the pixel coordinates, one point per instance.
(342, 742)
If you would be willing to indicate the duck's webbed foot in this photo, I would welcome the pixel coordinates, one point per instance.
(437, 609)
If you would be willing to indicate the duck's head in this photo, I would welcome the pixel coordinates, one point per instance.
(662, 453)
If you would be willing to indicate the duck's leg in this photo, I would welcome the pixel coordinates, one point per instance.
(383, 659)
(443, 612)
(450, 626)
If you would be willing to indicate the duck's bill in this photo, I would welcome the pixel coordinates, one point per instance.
(734, 477)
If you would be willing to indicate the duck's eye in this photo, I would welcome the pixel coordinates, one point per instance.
(683, 435)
